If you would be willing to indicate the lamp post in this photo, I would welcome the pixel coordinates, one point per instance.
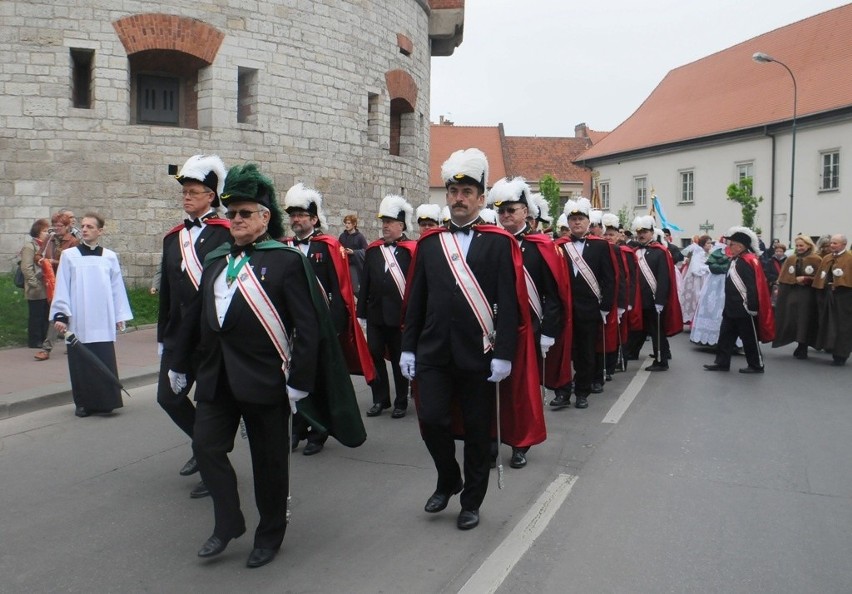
(763, 58)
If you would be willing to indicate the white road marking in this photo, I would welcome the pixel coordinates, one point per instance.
(500, 563)
(626, 399)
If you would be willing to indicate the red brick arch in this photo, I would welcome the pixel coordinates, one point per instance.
(154, 31)
(401, 86)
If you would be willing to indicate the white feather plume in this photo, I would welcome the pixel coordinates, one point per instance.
(392, 205)
(642, 222)
(609, 220)
(428, 211)
(562, 221)
(300, 196)
(579, 206)
(198, 167)
(755, 244)
(471, 162)
(488, 216)
(543, 208)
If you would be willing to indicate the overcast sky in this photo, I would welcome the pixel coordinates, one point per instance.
(542, 66)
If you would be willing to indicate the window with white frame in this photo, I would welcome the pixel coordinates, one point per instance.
(830, 170)
(604, 189)
(745, 170)
(640, 191)
(687, 179)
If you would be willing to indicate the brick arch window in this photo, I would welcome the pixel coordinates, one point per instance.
(166, 53)
(402, 91)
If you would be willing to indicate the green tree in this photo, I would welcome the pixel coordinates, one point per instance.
(742, 194)
(624, 217)
(549, 188)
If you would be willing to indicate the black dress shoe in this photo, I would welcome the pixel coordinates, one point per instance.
(562, 400)
(468, 519)
(398, 413)
(751, 370)
(716, 367)
(657, 366)
(801, 352)
(608, 377)
(191, 467)
(215, 545)
(519, 459)
(81, 412)
(582, 402)
(376, 410)
(838, 361)
(597, 388)
(200, 490)
(438, 501)
(260, 557)
(312, 448)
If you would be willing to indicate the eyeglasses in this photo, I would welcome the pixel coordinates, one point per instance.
(244, 214)
(193, 192)
(508, 209)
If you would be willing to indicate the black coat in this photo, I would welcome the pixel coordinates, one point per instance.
(553, 314)
(598, 255)
(734, 306)
(659, 265)
(379, 301)
(440, 326)
(176, 290)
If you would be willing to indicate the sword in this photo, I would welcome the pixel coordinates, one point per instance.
(659, 339)
(756, 340)
(499, 454)
(543, 366)
(289, 454)
(620, 362)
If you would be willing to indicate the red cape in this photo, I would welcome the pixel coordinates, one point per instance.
(557, 372)
(521, 409)
(352, 339)
(765, 325)
(672, 321)
(216, 221)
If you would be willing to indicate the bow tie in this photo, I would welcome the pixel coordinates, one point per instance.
(236, 250)
(390, 244)
(190, 223)
(456, 229)
(305, 241)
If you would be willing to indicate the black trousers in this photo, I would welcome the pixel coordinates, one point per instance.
(651, 326)
(216, 425)
(178, 406)
(382, 339)
(730, 329)
(437, 387)
(586, 330)
(37, 322)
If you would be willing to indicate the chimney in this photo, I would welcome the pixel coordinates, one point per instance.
(581, 130)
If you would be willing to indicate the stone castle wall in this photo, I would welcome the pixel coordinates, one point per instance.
(317, 62)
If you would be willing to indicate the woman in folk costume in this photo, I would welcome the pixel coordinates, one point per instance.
(711, 301)
(696, 273)
(796, 309)
(91, 302)
(833, 282)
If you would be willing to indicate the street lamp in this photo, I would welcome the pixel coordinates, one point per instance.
(763, 58)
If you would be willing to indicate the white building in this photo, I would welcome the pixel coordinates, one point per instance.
(725, 117)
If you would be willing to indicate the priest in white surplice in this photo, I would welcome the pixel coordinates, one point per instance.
(91, 302)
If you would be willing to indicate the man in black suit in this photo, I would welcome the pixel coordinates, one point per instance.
(257, 331)
(461, 342)
(184, 249)
(592, 273)
(386, 263)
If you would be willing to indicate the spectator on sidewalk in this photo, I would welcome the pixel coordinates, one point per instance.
(34, 289)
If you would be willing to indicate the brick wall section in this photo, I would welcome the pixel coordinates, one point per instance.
(405, 44)
(401, 85)
(166, 31)
(450, 4)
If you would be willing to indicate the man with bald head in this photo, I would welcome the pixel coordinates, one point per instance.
(833, 282)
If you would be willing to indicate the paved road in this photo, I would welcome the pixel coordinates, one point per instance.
(707, 483)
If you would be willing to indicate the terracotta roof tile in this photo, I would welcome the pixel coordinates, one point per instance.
(446, 139)
(533, 157)
(728, 91)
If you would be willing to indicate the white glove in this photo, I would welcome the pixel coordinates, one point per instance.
(500, 370)
(177, 381)
(406, 364)
(629, 308)
(620, 312)
(604, 315)
(546, 342)
(159, 349)
(658, 307)
(294, 396)
(363, 323)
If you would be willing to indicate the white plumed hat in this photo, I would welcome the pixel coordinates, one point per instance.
(745, 236)
(300, 197)
(396, 207)
(609, 220)
(466, 166)
(641, 223)
(488, 216)
(580, 206)
(431, 212)
(595, 216)
(543, 208)
(206, 169)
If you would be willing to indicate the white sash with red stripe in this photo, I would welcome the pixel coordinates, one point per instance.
(266, 313)
(583, 268)
(739, 284)
(535, 299)
(470, 288)
(191, 263)
(646, 271)
(393, 268)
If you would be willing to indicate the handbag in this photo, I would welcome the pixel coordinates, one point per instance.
(19, 276)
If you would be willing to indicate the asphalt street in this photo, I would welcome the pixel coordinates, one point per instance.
(706, 482)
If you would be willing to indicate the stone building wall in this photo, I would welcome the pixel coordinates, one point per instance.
(324, 75)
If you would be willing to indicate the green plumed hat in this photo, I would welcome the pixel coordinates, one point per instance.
(246, 184)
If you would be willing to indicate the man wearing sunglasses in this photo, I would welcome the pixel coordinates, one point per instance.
(184, 248)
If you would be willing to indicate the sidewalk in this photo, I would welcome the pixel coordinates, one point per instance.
(30, 385)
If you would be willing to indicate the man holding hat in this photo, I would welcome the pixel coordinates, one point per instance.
(747, 313)
(307, 219)
(548, 289)
(661, 314)
(466, 328)
(428, 217)
(386, 264)
(185, 246)
(264, 340)
(591, 268)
